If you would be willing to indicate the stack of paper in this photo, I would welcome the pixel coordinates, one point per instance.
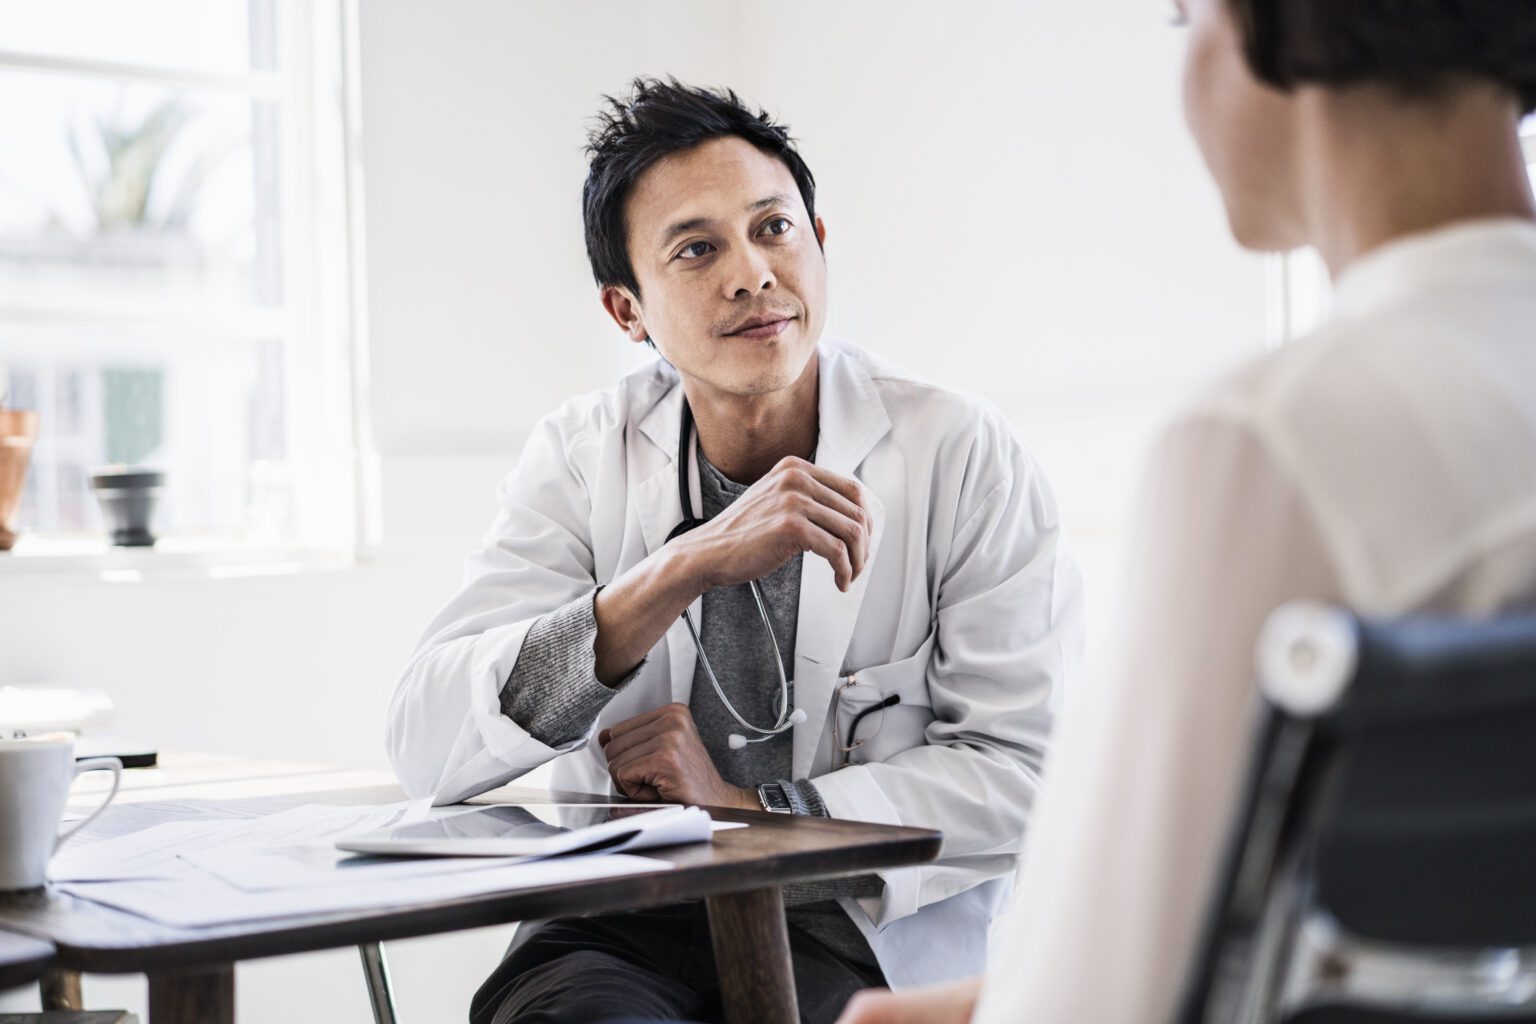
(202, 873)
(512, 831)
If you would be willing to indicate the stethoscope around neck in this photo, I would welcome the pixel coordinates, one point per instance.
(787, 718)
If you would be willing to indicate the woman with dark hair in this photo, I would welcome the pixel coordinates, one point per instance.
(1388, 464)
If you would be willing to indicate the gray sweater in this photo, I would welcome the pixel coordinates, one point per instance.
(554, 694)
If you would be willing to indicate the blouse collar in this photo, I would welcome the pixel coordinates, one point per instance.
(1471, 252)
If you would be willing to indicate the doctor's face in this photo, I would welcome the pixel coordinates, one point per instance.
(1246, 130)
(733, 282)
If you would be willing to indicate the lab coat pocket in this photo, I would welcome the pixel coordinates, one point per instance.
(884, 709)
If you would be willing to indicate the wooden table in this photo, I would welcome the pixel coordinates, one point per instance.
(22, 960)
(739, 875)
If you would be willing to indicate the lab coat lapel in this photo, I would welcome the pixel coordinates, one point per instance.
(656, 503)
(853, 420)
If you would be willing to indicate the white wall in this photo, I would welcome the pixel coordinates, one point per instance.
(1012, 204)
(1012, 210)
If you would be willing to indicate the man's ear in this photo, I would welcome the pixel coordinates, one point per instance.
(624, 307)
(821, 232)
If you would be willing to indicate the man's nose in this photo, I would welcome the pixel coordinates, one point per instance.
(748, 273)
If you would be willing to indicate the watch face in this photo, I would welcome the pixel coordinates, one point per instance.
(773, 797)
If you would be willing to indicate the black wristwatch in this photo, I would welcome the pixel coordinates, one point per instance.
(774, 799)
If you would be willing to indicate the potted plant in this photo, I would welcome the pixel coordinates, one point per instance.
(18, 432)
(128, 498)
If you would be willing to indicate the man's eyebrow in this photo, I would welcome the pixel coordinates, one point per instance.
(768, 202)
(682, 227)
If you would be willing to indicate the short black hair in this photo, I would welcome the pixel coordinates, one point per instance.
(659, 118)
(1416, 45)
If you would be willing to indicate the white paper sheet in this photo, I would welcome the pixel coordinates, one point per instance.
(154, 852)
(320, 863)
(205, 872)
(191, 902)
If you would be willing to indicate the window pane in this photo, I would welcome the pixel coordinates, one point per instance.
(209, 411)
(200, 35)
(125, 194)
(1528, 133)
(1528, 138)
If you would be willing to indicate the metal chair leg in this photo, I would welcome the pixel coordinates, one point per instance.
(376, 972)
(60, 990)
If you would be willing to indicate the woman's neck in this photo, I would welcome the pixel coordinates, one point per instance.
(1377, 166)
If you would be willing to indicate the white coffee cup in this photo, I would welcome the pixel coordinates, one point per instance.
(35, 775)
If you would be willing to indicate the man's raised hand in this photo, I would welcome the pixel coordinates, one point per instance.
(797, 507)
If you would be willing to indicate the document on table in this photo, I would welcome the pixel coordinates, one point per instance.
(205, 872)
(305, 865)
(455, 839)
(158, 851)
(193, 902)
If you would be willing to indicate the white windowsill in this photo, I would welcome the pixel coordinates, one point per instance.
(194, 556)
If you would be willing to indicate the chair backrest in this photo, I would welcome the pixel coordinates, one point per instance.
(1383, 862)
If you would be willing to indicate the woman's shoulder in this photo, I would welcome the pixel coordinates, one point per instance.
(1340, 370)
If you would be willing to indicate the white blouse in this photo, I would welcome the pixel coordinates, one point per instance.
(1387, 463)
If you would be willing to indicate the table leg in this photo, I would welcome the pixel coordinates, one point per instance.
(757, 978)
(204, 995)
(61, 990)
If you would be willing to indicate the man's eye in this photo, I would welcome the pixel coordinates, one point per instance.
(777, 226)
(694, 250)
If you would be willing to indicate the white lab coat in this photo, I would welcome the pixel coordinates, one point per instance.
(969, 608)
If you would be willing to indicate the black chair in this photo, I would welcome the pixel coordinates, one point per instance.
(1383, 865)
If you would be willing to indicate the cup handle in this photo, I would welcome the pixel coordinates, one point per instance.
(93, 764)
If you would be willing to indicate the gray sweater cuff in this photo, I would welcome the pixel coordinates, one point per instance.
(805, 799)
(553, 691)
(797, 894)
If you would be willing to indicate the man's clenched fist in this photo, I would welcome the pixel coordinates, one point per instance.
(658, 756)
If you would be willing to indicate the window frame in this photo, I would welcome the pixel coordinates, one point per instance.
(321, 323)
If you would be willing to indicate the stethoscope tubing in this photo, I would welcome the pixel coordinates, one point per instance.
(784, 720)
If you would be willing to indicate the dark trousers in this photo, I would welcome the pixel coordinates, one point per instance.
(643, 965)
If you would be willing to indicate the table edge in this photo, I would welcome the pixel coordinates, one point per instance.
(916, 847)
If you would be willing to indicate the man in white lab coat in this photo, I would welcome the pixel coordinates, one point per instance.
(901, 650)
